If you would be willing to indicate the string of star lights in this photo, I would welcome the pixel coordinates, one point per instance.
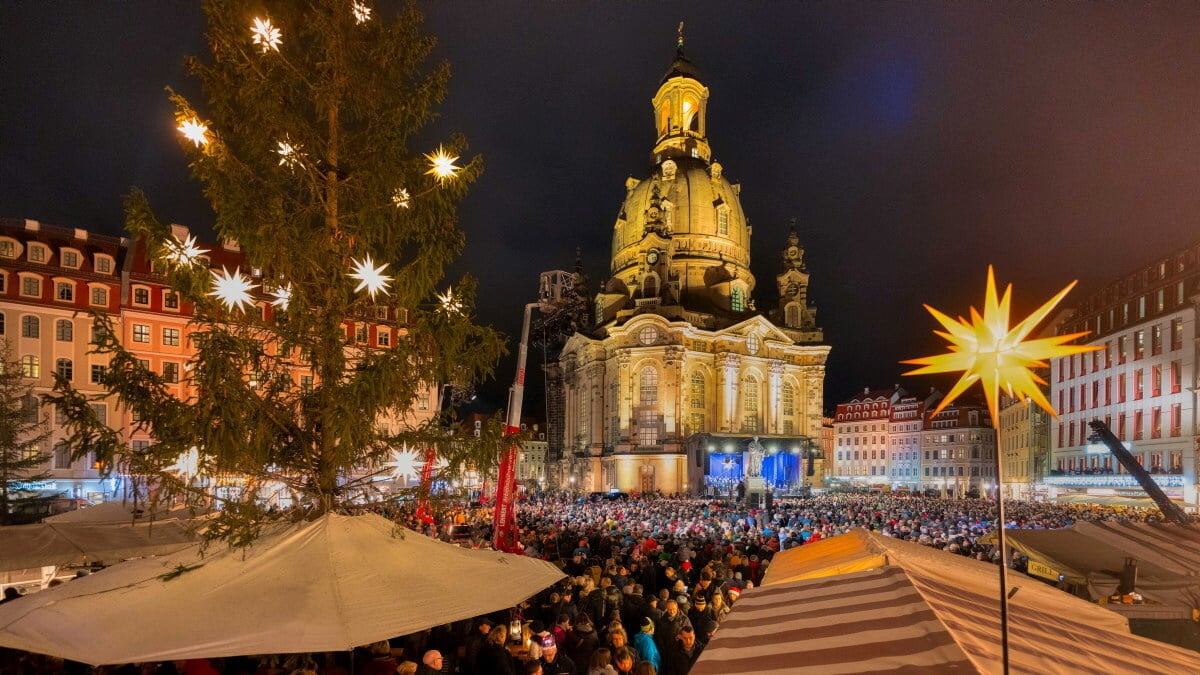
(450, 302)
(370, 277)
(265, 35)
(194, 131)
(362, 13)
(442, 165)
(184, 253)
(986, 350)
(233, 290)
(282, 296)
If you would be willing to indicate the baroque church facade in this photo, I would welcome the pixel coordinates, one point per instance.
(680, 372)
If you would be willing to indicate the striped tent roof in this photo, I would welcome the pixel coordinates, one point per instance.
(921, 610)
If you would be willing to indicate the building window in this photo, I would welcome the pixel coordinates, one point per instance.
(37, 253)
(104, 264)
(1, 323)
(360, 334)
(70, 259)
(383, 337)
(99, 296)
(64, 369)
(64, 290)
(1176, 379)
(306, 384)
(31, 366)
(697, 422)
(141, 333)
(1122, 349)
(1139, 344)
(170, 300)
(170, 337)
(31, 286)
(97, 374)
(647, 427)
(171, 372)
(1138, 388)
(1156, 339)
(62, 455)
(141, 296)
(31, 327)
(64, 330)
(1176, 419)
(101, 412)
(789, 400)
(1156, 381)
(1176, 334)
(723, 220)
(8, 248)
(697, 391)
(1137, 425)
(648, 387)
(737, 300)
(1156, 422)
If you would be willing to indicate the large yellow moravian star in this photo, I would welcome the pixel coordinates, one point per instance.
(986, 350)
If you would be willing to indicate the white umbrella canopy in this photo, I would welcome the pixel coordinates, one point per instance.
(39, 544)
(327, 585)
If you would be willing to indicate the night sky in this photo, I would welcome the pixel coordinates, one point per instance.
(914, 143)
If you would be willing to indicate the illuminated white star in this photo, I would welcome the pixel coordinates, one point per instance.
(450, 303)
(362, 13)
(404, 462)
(289, 155)
(370, 277)
(184, 253)
(232, 289)
(187, 463)
(266, 36)
(194, 131)
(400, 198)
(442, 164)
(282, 296)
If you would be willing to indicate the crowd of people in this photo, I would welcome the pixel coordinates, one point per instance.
(648, 580)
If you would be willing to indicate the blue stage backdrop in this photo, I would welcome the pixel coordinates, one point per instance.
(779, 469)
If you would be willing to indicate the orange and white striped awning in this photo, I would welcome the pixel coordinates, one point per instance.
(920, 610)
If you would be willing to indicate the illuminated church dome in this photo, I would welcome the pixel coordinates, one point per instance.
(681, 242)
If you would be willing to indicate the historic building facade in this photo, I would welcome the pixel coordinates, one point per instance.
(1142, 383)
(679, 350)
(53, 279)
(1024, 446)
(958, 451)
(860, 431)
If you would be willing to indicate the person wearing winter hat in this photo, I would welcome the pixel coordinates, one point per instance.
(554, 663)
(645, 646)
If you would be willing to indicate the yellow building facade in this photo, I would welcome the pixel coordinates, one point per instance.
(679, 348)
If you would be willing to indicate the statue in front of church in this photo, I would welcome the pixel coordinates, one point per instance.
(754, 465)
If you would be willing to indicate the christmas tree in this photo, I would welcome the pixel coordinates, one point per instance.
(22, 435)
(304, 147)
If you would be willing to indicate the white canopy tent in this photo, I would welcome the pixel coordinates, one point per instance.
(327, 585)
(58, 544)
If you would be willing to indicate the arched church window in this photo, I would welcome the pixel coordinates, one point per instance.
(650, 286)
(698, 390)
(750, 394)
(648, 386)
(691, 117)
(792, 315)
(737, 300)
(723, 220)
(789, 399)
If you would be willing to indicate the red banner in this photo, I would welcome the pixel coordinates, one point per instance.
(504, 521)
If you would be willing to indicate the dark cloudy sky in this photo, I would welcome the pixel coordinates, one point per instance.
(914, 142)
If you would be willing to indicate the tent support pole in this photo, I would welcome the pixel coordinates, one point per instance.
(1002, 541)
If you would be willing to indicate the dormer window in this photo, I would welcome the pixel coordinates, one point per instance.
(70, 258)
(104, 263)
(8, 248)
(38, 253)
